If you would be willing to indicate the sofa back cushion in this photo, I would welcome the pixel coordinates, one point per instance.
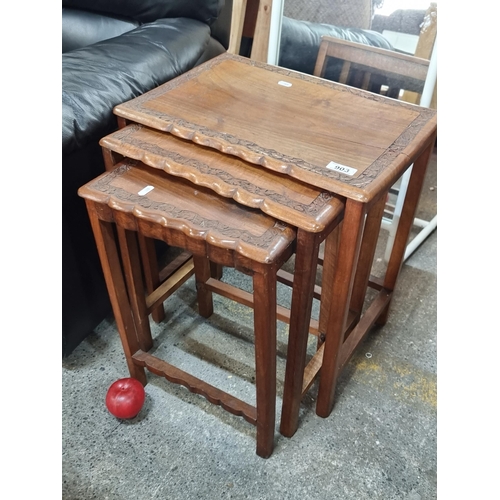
(146, 11)
(81, 28)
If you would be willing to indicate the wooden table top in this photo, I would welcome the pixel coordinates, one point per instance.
(155, 197)
(277, 195)
(348, 141)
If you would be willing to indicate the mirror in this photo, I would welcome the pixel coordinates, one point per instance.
(288, 32)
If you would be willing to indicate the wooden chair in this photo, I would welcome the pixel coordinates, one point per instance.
(374, 69)
(237, 22)
(135, 199)
(253, 19)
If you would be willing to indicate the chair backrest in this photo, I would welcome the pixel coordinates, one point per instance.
(374, 69)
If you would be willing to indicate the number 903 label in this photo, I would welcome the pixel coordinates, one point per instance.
(343, 169)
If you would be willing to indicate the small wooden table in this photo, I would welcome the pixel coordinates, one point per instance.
(350, 142)
(136, 199)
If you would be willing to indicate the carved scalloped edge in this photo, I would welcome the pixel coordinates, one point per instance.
(269, 158)
(231, 145)
(195, 385)
(213, 232)
(201, 174)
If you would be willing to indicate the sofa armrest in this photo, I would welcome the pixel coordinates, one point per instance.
(107, 73)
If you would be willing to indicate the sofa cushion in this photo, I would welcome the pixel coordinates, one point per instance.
(146, 11)
(98, 77)
(81, 28)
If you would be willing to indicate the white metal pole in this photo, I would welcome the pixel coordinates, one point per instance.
(430, 80)
(425, 100)
(273, 50)
(416, 242)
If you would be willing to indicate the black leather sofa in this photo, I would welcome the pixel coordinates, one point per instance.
(113, 51)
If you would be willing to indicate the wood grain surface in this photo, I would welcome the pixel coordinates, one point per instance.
(289, 122)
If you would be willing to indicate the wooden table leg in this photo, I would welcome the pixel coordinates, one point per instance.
(350, 243)
(367, 253)
(329, 267)
(147, 246)
(306, 262)
(264, 285)
(151, 273)
(132, 268)
(202, 272)
(405, 224)
(110, 261)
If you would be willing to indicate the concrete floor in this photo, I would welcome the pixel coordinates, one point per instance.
(378, 443)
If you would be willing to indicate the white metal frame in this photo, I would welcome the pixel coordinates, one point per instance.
(275, 32)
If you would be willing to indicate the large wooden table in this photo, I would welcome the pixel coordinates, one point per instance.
(350, 142)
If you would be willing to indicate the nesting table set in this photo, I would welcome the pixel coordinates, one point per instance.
(245, 164)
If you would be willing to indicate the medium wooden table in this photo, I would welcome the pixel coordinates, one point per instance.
(314, 212)
(350, 142)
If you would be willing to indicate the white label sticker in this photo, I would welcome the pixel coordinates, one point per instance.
(145, 191)
(341, 168)
(284, 84)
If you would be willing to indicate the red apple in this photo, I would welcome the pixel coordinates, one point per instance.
(125, 398)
